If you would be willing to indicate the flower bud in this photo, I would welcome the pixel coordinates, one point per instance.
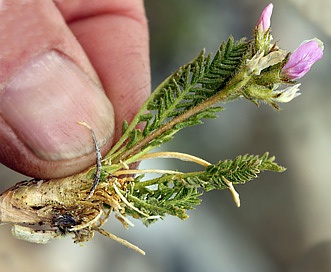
(303, 58)
(262, 31)
(263, 24)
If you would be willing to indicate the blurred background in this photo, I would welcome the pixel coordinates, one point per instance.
(284, 221)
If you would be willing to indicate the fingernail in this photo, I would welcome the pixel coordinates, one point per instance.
(43, 102)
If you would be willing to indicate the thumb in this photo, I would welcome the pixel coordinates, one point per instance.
(47, 85)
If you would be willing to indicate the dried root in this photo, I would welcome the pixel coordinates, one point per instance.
(44, 210)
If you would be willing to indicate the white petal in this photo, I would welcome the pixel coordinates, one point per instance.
(259, 62)
(286, 95)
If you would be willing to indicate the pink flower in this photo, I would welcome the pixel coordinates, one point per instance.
(303, 58)
(263, 24)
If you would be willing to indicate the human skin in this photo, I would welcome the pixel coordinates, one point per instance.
(62, 62)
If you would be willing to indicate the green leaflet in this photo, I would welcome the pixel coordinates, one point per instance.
(174, 194)
(238, 171)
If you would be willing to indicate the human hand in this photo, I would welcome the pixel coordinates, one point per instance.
(62, 62)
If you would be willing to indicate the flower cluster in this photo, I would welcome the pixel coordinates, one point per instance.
(288, 67)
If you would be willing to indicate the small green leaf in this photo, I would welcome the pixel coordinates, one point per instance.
(175, 194)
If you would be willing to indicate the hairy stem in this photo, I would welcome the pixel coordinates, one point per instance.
(234, 87)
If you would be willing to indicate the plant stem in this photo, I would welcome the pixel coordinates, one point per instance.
(234, 86)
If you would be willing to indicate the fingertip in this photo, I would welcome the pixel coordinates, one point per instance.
(47, 86)
(117, 44)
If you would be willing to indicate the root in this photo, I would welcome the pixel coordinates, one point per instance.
(120, 240)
